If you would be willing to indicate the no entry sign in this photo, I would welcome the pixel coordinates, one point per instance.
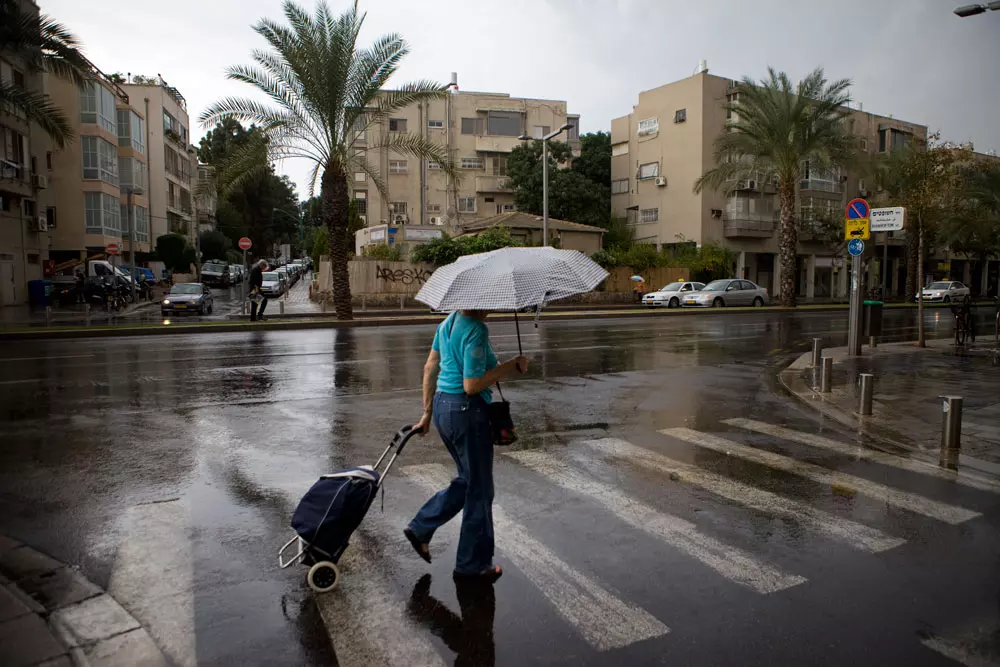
(112, 249)
(245, 243)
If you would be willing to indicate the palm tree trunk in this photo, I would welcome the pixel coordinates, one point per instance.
(335, 215)
(788, 242)
(920, 287)
(912, 243)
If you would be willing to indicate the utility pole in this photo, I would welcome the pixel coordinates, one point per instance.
(545, 176)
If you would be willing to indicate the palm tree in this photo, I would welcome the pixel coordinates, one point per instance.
(775, 128)
(44, 46)
(326, 90)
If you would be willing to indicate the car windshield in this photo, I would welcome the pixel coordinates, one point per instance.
(716, 286)
(672, 287)
(939, 286)
(186, 288)
(270, 277)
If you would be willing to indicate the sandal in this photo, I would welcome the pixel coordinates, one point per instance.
(423, 550)
(489, 575)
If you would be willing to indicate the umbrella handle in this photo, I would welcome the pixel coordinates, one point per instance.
(517, 326)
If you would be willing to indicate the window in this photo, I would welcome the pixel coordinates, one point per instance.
(100, 160)
(397, 207)
(397, 166)
(861, 184)
(882, 140)
(88, 103)
(102, 214)
(172, 162)
(131, 173)
(649, 170)
(433, 208)
(361, 201)
(360, 177)
(97, 105)
(185, 200)
(540, 131)
(108, 114)
(48, 160)
(13, 153)
(431, 164)
(34, 258)
(92, 212)
(30, 208)
(680, 115)
(472, 163)
(50, 217)
(619, 149)
(649, 215)
(498, 165)
(34, 165)
(864, 144)
(467, 204)
(899, 139)
(141, 223)
(124, 128)
(472, 126)
(435, 124)
(171, 195)
(397, 125)
(505, 208)
(648, 126)
(619, 186)
(573, 133)
(174, 126)
(503, 123)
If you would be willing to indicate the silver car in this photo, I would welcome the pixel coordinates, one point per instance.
(945, 290)
(728, 292)
(671, 295)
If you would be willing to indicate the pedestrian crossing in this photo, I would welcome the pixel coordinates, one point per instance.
(582, 595)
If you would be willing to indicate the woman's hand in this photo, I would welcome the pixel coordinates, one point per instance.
(521, 363)
(424, 425)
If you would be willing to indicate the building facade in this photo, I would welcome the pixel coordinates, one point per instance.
(667, 142)
(479, 131)
(24, 192)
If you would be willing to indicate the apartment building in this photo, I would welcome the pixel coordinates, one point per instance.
(479, 130)
(24, 195)
(96, 178)
(661, 148)
(173, 162)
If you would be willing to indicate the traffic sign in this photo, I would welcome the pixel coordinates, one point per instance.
(856, 229)
(856, 247)
(245, 243)
(857, 209)
(889, 219)
(113, 249)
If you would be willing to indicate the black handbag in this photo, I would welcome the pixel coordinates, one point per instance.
(501, 424)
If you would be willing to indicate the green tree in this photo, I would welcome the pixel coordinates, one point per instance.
(175, 252)
(324, 90)
(594, 162)
(926, 179)
(973, 229)
(214, 245)
(446, 249)
(776, 128)
(45, 46)
(320, 246)
(387, 253)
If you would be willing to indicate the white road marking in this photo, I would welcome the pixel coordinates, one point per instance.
(732, 563)
(974, 649)
(863, 453)
(855, 534)
(908, 501)
(153, 576)
(605, 621)
(58, 356)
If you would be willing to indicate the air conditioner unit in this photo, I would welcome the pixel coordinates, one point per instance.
(364, 219)
(751, 184)
(40, 224)
(436, 220)
(39, 182)
(863, 192)
(400, 219)
(661, 181)
(741, 185)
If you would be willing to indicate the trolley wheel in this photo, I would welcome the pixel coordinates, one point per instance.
(323, 576)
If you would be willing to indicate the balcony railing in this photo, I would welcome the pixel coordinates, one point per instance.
(737, 224)
(491, 183)
(821, 186)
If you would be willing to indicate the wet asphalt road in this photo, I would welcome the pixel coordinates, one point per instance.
(167, 469)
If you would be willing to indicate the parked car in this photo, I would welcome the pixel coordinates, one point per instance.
(272, 284)
(285, 276)
(671, 295)
(944, 290)
(187, 297)
(215, 273)
(728, 292)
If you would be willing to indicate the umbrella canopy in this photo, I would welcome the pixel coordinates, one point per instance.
(636, 279)
(510, 279)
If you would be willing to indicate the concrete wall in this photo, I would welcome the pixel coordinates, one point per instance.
(377, 277)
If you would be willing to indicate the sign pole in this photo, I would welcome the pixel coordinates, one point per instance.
(856, 230)
(243, 296)
(854, 330)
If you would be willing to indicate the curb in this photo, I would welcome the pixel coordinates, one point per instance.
(59, 618)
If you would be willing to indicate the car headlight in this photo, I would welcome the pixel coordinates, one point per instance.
(937, 293)
(166, 302)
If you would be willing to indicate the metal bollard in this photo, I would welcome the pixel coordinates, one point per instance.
(951, 422)
(281, 307)
(243, 307)
(867, 385)
(817, 359)
(826, 376)
(402, 300)
(48, 314)
(323, 302)
(872, 341)
(86, 312)
(364, 302)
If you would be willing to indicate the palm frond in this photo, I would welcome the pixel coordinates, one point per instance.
(418, 147)
(38, 108)
(359, 162)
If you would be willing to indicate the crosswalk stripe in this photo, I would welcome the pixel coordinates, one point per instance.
(865, 454)
(605, 621)
(367, 622)
(857, 535)
(909, 501)
(731, 562)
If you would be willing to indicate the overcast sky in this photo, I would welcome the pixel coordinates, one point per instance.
(912, 59)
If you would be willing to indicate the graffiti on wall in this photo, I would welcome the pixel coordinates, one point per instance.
(403, 276)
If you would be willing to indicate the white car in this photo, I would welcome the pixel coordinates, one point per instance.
(670, 295)
(945, 290)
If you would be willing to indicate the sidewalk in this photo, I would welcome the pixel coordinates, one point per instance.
(51, 616)
(906, 408)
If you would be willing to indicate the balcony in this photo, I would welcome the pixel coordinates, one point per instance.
(496, 144)
(15, 179)
(491, 183)
(737, 224)
(814, 185)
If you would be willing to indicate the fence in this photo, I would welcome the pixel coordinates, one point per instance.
(620, 278)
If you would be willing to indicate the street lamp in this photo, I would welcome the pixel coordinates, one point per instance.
(131, 191)
(545, 176)
(966, 11)
(296, 219)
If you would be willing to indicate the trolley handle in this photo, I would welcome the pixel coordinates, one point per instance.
(403, 436)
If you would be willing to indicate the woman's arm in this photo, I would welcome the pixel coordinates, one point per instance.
(474, 386)
(431, 368)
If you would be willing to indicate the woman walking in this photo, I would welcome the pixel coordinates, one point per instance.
(462, 367)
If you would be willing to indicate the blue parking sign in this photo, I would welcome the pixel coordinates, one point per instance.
(856, 247)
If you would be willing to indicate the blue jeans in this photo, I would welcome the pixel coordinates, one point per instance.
(464, 425)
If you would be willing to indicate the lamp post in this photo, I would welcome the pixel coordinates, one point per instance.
(296, 219)
(545, 176)
(131, 191)
(966, 11)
